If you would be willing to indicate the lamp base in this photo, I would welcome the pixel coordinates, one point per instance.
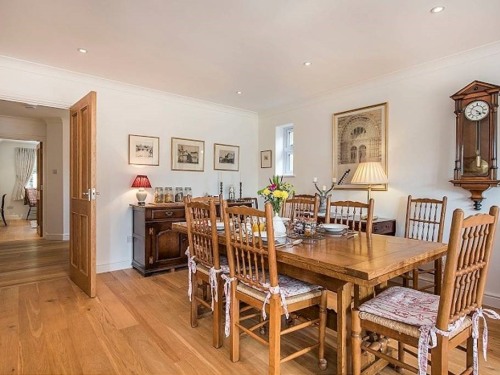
(141, 196)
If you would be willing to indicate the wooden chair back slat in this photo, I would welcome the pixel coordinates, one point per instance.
(467, 262)
(425, 218)
(299, 207)
(351, 213)
(251, 260)
(202, 231)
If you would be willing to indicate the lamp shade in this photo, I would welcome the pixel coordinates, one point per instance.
(369, 173)
(141, 181)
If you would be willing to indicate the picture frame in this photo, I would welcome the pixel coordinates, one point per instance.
(266, 159)
(143, 150)
(359, 135)
(188, 155)
(226, 157)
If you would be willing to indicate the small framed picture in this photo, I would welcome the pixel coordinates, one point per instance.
(188, 155)
(226, 157)
(143, 150)
(266, 159)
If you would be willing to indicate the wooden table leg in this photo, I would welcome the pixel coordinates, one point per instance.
(344, 299)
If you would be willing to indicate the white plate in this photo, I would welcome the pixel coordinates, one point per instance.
(219, 225)
(263, 235)
(334, 227)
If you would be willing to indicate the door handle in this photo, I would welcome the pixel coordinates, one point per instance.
(91, 194)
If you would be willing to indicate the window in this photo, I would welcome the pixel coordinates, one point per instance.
(288, 150)
(284, 150)
(33, 179)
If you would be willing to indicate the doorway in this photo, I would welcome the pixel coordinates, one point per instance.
(26, 246)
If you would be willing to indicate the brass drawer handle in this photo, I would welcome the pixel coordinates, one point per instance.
(169, 213)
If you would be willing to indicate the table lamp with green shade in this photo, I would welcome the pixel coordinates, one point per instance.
(141, 182)
(369, 173)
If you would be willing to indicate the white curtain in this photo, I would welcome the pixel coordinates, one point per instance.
(25, 162)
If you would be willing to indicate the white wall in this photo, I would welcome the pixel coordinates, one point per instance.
(421, 136)
(14, 209)
(122, 110)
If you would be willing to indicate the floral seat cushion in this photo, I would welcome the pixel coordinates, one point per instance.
(405, 310)
(292, 289)
(224, 266)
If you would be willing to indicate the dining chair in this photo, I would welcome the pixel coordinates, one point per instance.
(2, 209)
(357, 215)
(425, 219)
(30, 199)
(300, 206)
(428, 321)
(253, 200)
(204, 262)
(254, 280)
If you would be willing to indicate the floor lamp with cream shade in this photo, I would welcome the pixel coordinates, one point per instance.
(369, 173)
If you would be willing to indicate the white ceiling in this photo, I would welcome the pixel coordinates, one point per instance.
(211, 49)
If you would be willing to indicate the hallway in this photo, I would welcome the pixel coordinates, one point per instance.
(31, 260)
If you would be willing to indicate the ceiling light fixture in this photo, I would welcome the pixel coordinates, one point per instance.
(308, 63)
(239, 92)
(82, 50)
(437, 9)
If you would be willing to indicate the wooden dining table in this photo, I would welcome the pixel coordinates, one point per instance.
(351, 267)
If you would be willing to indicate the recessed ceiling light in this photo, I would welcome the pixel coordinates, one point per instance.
(82, 50)
(307, 63)
(437, 9)
(239, 92)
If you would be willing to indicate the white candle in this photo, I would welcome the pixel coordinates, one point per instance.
(315, 179)
(334, 180)
(324, 187)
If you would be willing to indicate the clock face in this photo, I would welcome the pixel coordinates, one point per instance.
(477, 110)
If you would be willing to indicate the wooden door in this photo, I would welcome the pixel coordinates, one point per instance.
(39, 189)
(82, 262)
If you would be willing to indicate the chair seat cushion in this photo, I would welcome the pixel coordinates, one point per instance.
(224, 266)
(405, 310)
(294, 290)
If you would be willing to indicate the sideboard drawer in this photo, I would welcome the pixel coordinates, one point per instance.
(384, 226)
(165, 213)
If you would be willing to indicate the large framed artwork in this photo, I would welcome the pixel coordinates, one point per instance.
(226, 157)
(359, 135)
(143, 150)
(188, 155)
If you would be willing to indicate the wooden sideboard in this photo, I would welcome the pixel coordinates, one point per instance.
(156, 247)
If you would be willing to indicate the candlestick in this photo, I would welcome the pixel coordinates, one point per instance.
(221, 189)
(241, 189)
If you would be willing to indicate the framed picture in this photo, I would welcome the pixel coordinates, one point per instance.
(359, 135)
(266, 159)
(226, 157)
(188, 155)
(143, 150)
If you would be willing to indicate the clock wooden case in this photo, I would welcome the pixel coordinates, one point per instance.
(476, 139)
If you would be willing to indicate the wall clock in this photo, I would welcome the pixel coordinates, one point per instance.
(476, 139)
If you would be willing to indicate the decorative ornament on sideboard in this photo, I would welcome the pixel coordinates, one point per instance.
(323, 193)
(476, 139)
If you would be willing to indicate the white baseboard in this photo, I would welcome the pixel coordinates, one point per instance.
(101, 268)
(492, 300)
(56, 237)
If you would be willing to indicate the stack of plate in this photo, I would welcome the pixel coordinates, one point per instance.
(334, 228)
(263, 235)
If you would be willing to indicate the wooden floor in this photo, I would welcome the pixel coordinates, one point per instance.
(135, 325)
(16, 230)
